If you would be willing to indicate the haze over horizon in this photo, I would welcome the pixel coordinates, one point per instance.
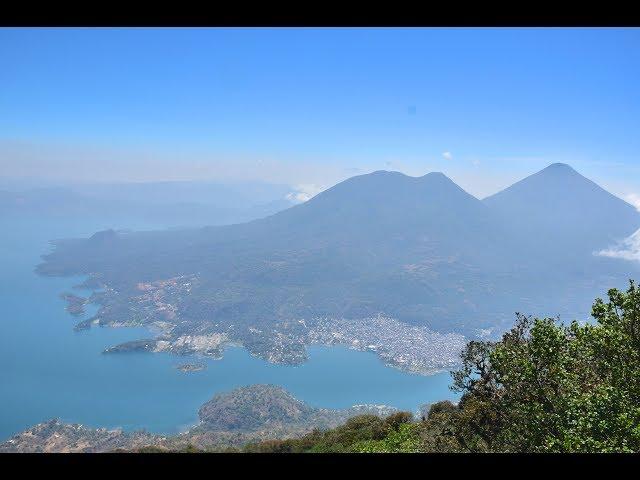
(312, 107)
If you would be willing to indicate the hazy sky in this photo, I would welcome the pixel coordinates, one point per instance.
(310, 107)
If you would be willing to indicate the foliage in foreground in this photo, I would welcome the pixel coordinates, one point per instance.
(544, 387)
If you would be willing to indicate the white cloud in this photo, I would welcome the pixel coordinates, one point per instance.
(627, 249)
(633, 199)
(447, 155)
(304, 192)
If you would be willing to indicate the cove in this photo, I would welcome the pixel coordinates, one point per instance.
(49, 371)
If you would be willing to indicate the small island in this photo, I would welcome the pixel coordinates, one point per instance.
(191, 367)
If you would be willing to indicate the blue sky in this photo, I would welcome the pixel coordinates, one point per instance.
(313, 106)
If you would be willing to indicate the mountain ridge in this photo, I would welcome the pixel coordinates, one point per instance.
(564, 210)
(416, 250)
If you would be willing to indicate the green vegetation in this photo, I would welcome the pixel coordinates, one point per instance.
(362, 433)
(544, 387)
(556, 388)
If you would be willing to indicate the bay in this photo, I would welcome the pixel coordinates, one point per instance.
(49, 371)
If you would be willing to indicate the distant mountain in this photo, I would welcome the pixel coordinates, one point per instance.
(382, 206)
(385, 217)
(558, 220)
(559, 209)
(373, 243)
(418, 250)
(173, 203)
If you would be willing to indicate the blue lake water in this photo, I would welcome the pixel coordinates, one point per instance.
(49, 371)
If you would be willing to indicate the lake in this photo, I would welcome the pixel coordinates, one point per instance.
(49, 371)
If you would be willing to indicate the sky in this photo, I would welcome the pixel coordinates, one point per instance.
(310, 107)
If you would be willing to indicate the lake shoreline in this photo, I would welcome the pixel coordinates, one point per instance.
(141, 391)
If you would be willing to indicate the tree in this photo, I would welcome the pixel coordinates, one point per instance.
(549, 387)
